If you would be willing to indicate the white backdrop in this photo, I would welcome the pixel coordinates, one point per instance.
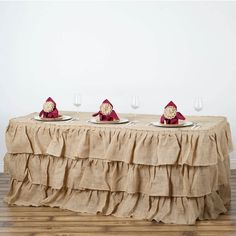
(159, 51)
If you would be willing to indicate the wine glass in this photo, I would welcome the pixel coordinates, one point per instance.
(135, 103)
(77, 102)
(198, 104)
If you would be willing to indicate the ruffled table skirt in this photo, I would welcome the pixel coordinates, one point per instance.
(168, 175)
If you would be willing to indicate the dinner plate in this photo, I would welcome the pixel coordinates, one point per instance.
(180, 125)
(121, 121)
(60, 118)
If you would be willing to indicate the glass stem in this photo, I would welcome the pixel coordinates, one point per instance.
(77, 113)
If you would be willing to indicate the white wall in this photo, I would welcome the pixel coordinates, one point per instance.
(161, 51)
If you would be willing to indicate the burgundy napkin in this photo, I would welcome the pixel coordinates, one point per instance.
(106, 112)
(171, 115)
(49, 109)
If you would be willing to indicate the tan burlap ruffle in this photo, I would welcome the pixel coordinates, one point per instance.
(146, 147)
(176, 181)
(178, 210)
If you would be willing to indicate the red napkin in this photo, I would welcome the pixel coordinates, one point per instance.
(171, 115)
(49, 109)
(106, 112)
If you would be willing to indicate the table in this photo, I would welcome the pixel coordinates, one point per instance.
(163, 174)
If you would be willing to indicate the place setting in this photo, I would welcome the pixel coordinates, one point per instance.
(50, 113)
(172, 118)
(107, 115)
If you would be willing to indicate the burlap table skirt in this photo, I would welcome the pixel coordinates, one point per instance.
(169, 175)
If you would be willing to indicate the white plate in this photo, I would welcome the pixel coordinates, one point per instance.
(121, 121)
(60, 118)
(180, 125)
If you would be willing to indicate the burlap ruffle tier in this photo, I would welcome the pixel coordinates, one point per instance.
(171, 180)
(178, 210)
(146, 147)
(168, 175)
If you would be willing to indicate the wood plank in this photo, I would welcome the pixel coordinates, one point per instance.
(106, 228)
(103, 234)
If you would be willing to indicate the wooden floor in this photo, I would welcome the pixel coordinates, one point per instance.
(42, 221)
